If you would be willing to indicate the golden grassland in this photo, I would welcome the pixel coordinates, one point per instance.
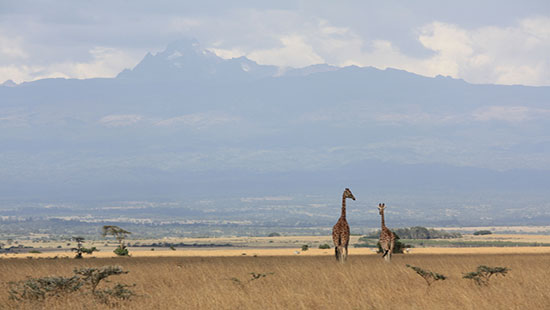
(301, 282)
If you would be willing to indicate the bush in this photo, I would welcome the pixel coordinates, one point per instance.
(416, 232)
(483, 273)
(40, 288)
(121, 251)
(398, 248)
(80, 249)
(324, 246)
(305, 247)
(428, 276)
(92, 276)
(482, 232)
(36, 289)
(274, 234)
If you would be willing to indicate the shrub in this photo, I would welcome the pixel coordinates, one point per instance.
(305, 247)
(398, 247)
(80, 249)
(92, 276)
(483, 273)
(428, 276)
(274, 234)
(121, 250)
(416, 232)
(119, 291)
(324, 246)
(482, 232)
(40, 288)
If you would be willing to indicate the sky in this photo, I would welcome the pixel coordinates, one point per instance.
(483, 42)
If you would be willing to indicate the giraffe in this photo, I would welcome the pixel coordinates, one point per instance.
(340, 231)
(387, 237)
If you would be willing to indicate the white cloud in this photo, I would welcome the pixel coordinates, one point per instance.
(295, 52)
(489, 54)
(120, 120)
(296, 36)
(104, 62)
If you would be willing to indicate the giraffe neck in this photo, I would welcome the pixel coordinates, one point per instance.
(383, 222)
(343, 207)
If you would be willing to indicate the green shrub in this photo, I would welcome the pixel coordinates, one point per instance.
(305, 247)
(274, 234)
(324, 246)
(121, 251)
(398, 247)
(482, 232)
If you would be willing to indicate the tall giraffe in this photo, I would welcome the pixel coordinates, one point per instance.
(387, 237)
(340, 231)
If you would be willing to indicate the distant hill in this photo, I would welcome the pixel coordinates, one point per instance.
(185, 121)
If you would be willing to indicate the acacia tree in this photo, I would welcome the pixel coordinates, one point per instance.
(119, 234)
(80, 249)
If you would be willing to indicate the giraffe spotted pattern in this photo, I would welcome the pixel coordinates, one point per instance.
(340, 231)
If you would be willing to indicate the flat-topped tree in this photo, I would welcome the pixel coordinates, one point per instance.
(80, 249)
(119, 234)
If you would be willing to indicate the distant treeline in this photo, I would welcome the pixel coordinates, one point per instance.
(178, 245)
(418, 232)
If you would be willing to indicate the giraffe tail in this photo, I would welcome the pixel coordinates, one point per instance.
(386, 253)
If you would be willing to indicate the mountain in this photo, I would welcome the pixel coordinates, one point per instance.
(9, 83)
(187, 122)
(186, 60)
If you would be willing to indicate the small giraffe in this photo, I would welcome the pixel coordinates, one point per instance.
(387, 237)
(340, 231)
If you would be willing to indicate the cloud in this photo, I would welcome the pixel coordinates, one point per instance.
(102, 62)
(10, 47)
(68, 40)
(120, 120)
(295, 52)
(489, 54)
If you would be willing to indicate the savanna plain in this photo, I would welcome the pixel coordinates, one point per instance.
(298, 282)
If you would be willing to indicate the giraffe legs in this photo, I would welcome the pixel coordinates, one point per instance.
(387, 249)
(340, 256)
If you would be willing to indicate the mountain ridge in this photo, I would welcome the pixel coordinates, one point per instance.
(209, 115)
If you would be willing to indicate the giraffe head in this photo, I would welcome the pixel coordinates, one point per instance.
(348, 194)
(381, 208)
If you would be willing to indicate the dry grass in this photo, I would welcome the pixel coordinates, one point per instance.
(302, 282)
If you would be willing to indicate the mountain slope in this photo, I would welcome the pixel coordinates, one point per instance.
(185, 120)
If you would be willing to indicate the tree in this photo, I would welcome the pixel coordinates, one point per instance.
(80, 249)
(119, 234)
(428, 276)
(483, 273)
